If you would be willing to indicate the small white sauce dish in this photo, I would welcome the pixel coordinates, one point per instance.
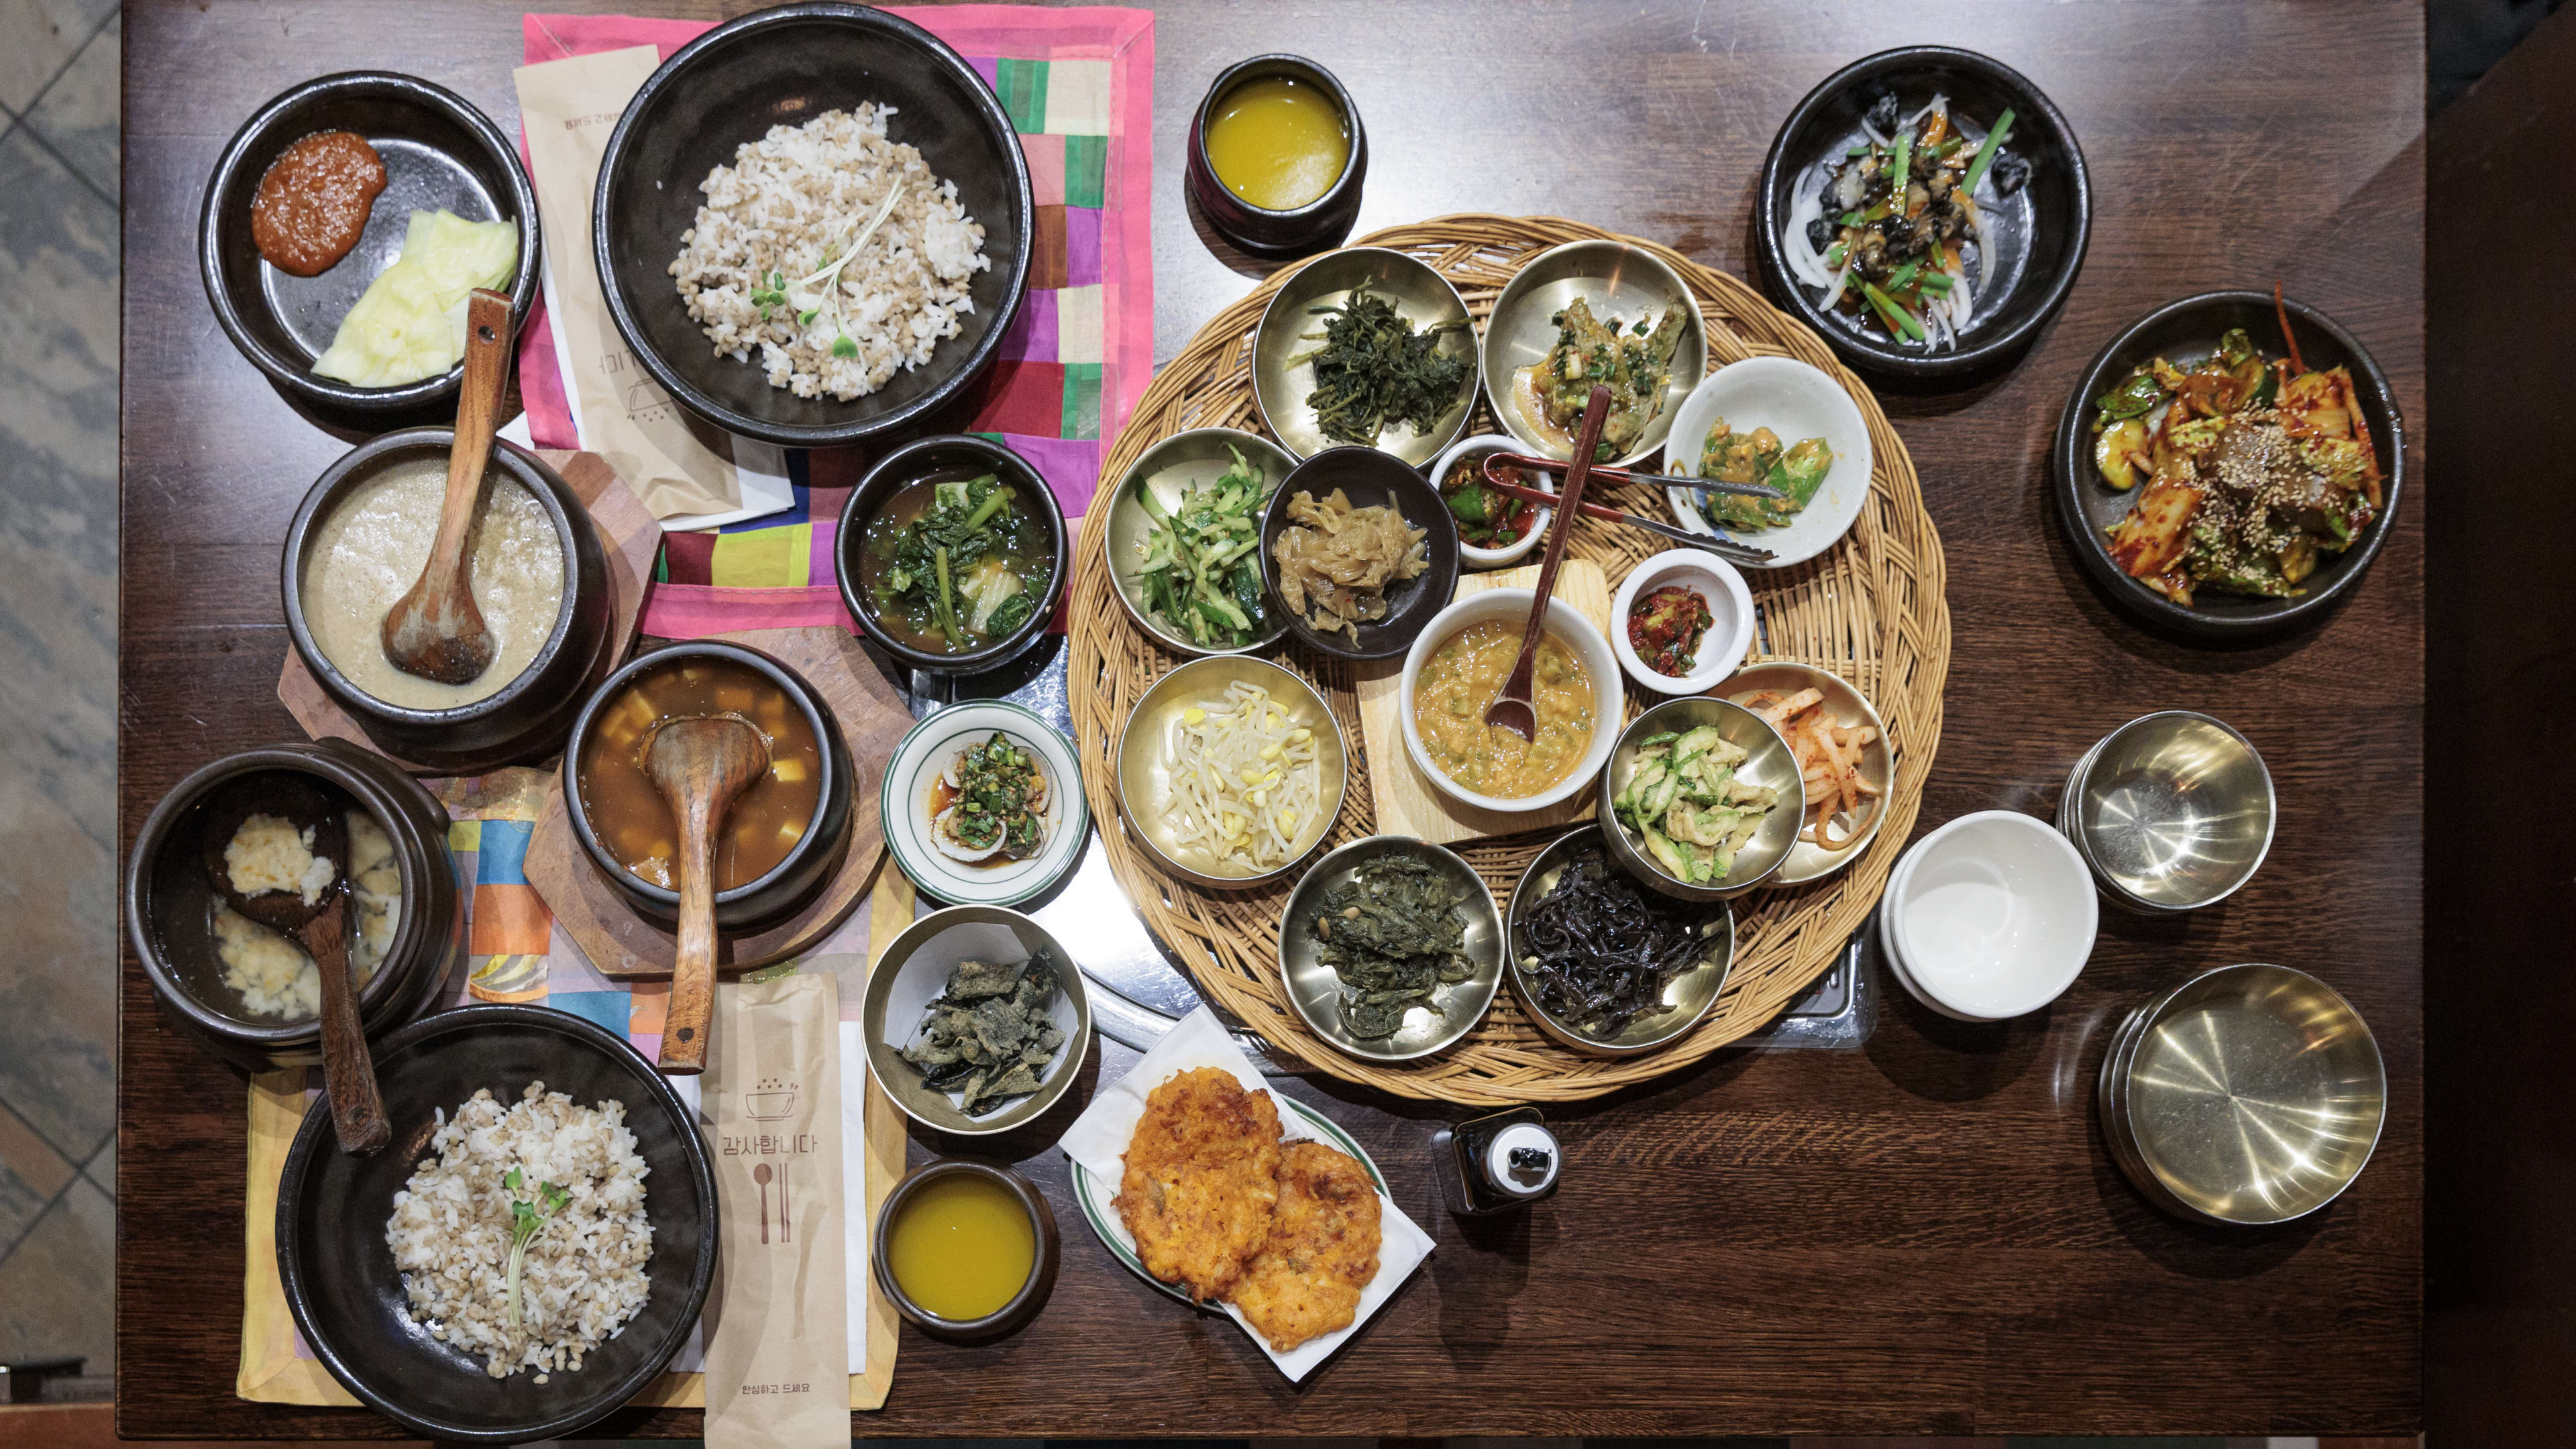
(1730, 611)
(1477, 449)
(1795, 402)
(1600, 665)
(1990, 917)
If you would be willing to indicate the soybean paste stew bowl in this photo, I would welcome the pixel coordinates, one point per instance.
(255, 1009)
(1368, 478)
(391, 487)
(439, 153)
(609, 804)
(910, 592)
(345, 1287)
(787, 66)
(2183, 333)
(2036, 223)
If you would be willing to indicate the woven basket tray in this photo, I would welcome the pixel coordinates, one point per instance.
(1871, 610)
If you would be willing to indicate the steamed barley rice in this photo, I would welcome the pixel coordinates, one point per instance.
(790, 206)
(583, 1277)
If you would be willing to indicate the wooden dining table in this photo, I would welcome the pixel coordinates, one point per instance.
(1925, 1234)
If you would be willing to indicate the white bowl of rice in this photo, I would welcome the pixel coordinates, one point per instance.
(1231, 769)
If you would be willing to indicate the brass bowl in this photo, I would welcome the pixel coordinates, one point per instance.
(1144, 781)
(1688, 997)
(1315, 989)
(2172, 811)
(1422, 296)
(2246, 1096)
(1769, 763)
(1187, 460)
(1847, 706)
(1617, 279)
(914, 969)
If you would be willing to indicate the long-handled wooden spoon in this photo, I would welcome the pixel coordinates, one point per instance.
(322, 928)
(435, 631)
(1512, 709)
(701, 766)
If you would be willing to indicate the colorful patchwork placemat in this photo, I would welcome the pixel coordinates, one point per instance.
(1078, 84)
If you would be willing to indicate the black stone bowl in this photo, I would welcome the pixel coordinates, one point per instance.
(339, 1274)
(170, 904)
(1321, 222)
(808, 864)
(1023, 1305)
(438, 151)
(785, 66)
(955, 455)
(2038, 233)
(524, 720)
(2187, 331)
(1370, 477)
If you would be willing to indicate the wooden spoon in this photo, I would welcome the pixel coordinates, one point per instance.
(701, 766)
(1512, 709)
(322, 929)
(435, 631)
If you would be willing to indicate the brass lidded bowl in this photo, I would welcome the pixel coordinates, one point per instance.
(1186, 460)
(1315, 989)
(915, 968)
(2172, 811)
(1421, 295)
(1618, 279)
(2246, 1096)
(1768, 762)
(1846, 705)
(1144, 779)
(1688, 997)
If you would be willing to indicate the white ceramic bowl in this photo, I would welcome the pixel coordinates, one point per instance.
(1477, 448)
(1796, 402)
(1991, 916)
(1512, 606)
(904, 798)
(1730, 611)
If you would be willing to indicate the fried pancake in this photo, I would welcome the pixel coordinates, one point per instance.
(1202, 1174)
(1322, 1249)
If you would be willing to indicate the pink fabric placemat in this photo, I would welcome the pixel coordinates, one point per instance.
(1078, 85)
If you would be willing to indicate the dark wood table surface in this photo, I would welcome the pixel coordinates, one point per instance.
(1923, 1236)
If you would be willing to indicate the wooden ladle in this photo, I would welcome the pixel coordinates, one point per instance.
(435, 631)
(1512, 709)
(701, 765)
(322, 929)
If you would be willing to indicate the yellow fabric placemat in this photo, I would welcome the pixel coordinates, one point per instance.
(272, 1372)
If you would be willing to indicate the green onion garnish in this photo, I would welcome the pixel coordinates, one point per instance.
(1897, 317)
(1986, 152)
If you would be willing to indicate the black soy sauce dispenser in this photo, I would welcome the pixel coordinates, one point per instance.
(1494, 1164)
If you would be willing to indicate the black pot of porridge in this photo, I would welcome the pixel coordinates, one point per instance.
(250, 995)
(540, 578)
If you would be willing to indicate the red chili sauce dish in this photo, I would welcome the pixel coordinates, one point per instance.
(314, 201)
(1665, 627)
(1486, 518)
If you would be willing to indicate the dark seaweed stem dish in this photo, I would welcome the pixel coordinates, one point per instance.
(1893, 231)
(1602, 950)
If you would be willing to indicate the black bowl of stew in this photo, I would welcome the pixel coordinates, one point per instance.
(779, 840)
(951, 554)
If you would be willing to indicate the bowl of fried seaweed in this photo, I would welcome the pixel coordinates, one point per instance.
(976, 1020)
(1604, 966)
(1391, 948)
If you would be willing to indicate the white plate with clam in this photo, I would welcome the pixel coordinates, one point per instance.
(982, 805)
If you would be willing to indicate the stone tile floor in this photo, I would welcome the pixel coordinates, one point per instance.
(58, 532)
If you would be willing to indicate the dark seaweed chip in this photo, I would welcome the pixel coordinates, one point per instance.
(987, 1037)
(1603, 950)
(1394, 935)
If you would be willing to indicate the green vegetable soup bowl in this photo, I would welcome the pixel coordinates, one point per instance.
(952, 554)
(1202, 594)
(1661, 860)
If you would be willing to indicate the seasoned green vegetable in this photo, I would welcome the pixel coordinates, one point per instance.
(1374, 370)
(1684, 799)
(1757, 457)
(1393, 934)
(1636, 362)
(1202, 560)
(956, 564)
